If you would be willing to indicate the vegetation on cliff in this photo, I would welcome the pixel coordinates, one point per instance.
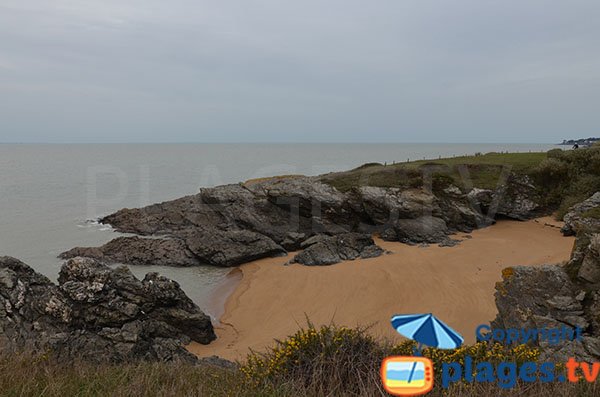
(562, 178)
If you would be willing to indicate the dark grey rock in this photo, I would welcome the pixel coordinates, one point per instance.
(590, 266)
(575, 219)
(139, 251)
(545, 297)
(328, 250)
(426, 229)
(97, 313)
(385, 206)
(230, 248)
(544, 291)
(232, 224)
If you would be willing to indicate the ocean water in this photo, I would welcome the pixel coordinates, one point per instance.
(51, 194)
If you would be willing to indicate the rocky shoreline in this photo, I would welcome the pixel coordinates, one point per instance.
(235, 224)
(97, 312)
(555, 296)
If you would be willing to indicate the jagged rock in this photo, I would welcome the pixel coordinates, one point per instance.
(590, 267)
(514, 199)
(166, 218)
(426, 229)
(545, 291)
(97, 313)
(576, 219)
(328, 250)
(460, 216)
(139, 251)
(230, 248)
(545, 297)
(310, 197)
(272, 215)
(385, 206)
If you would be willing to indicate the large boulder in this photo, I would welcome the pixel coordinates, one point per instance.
(98, 313)
(327, 250)
(515, 199)
(230, 248)
(425, 229)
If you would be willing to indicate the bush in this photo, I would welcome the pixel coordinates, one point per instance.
(323, 361)
(333, 360)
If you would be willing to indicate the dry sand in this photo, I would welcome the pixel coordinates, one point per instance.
(454, 283)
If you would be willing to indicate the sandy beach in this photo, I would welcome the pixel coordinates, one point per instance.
(270, 301)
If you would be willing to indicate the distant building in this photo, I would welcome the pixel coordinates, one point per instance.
(580, 142)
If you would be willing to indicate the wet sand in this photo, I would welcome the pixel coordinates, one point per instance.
(454, 283)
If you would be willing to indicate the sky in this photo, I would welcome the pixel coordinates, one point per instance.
(299, 71)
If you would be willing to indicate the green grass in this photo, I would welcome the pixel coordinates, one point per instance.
(483, 171)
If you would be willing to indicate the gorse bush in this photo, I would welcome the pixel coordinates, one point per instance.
(325, 360)
(332, 360)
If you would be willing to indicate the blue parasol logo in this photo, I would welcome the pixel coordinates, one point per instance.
(427, 330)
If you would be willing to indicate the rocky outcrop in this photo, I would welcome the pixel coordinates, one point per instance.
(555, 296)
(230, 248)
(97, 313)
(545, 297)
(139, 251)
(583, 221)
(233, 224)
(328, 250)
(425, 229)
(514, 199)
(581, 218)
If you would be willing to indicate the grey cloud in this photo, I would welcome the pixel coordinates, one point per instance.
(272, 70)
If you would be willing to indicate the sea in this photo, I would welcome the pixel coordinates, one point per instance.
(51, 195)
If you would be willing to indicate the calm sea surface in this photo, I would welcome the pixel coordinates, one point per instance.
(50, 194)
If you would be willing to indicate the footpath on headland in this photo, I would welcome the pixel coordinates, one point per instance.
(456, 283)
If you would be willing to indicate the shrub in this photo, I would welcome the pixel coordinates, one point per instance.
(555, 153)
(325, 360)
(333, 360)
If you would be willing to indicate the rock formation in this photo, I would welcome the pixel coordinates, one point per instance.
(553, 296)
(232, 224)
(327, 250)
(97, 313)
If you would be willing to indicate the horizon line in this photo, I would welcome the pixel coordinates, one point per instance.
(277, 143)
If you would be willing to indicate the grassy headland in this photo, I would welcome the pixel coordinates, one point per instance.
(562, 178)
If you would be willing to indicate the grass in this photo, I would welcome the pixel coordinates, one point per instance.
(324, 361)
(483, 171)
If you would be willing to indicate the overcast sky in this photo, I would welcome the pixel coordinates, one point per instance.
(299, 71)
